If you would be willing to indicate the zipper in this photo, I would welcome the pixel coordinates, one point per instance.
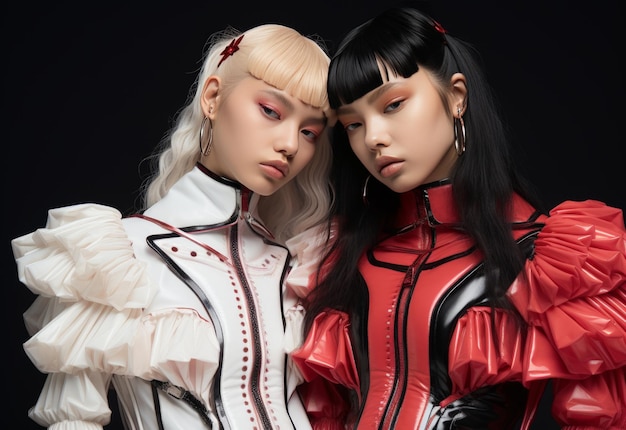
(256, 371)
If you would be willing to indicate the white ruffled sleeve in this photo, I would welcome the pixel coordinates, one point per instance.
(81, 266)
(89, 319)
(88, 282)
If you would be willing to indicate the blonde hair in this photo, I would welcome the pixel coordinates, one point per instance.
(287, 60)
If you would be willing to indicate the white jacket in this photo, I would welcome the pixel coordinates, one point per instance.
(194, 299)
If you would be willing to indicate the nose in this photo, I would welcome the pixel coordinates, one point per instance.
(287, 144)
(376, 135)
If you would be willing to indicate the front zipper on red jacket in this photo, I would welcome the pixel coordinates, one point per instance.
(394, 403)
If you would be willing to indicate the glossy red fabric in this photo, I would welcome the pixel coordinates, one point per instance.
(326, 404)
(327, 352)
(571, 293)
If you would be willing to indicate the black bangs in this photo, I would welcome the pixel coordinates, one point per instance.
(399, 42)
(352, 74)
(355, 71)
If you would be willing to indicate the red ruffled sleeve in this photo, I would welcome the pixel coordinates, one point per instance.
(326, 362)
(474, 360)
(327, 351)
(572, 294)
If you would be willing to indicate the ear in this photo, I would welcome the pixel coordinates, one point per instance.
(209, 97)
(458, 95)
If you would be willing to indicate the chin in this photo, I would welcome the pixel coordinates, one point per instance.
(266, 189)
(400, 187)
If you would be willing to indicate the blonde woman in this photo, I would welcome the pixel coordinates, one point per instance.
(183, 307)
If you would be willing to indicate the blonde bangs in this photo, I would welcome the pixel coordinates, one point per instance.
(292, 63)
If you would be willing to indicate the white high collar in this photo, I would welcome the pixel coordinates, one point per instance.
(202, 198)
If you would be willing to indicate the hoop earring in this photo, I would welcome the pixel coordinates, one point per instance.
(459, 133)
(364, 193)
(206, 150)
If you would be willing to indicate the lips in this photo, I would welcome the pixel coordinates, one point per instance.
(384, 161)
(278, 165)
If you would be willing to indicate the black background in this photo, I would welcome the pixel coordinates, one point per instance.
(89, 88)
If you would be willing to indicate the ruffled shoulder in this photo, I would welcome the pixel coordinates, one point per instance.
(90, 310)
(572, 292)
(83, 253)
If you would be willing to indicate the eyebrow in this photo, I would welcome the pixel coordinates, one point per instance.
(283, 99)
(345, 109)
(280, 96)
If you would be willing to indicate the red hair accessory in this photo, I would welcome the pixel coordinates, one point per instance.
(439, 27)
(230, 49)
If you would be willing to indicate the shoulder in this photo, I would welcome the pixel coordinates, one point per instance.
(82, 253)
(572, 291)
(579, 252)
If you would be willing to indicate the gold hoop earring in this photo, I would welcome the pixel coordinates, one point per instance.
(206, 150)
(459, 133)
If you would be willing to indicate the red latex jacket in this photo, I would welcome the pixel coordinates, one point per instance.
(433, 363)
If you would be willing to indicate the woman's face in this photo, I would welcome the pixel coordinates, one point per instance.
(401, 132)
(262, 137)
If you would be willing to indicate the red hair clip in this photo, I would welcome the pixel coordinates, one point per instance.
(230, 49)
(439, 27)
